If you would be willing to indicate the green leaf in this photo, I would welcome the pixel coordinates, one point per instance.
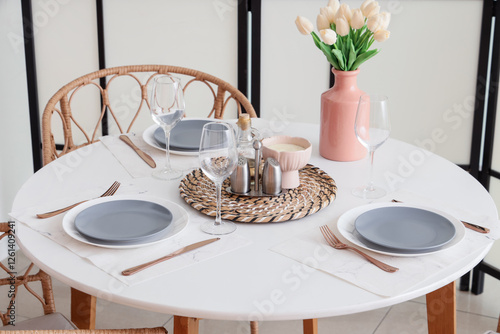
(361, 43)
(334, 61)
(352, 57)
(340, 57)
(362, 58)
(347, 44)
(326, 49)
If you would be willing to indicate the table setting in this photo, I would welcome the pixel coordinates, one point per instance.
(104, 228)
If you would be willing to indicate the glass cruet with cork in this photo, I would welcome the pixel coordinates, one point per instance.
(246, 136)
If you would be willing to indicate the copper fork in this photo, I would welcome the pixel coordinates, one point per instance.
(110, 192)
(337, 244)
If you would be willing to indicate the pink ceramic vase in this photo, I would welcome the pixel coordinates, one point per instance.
(339, 104)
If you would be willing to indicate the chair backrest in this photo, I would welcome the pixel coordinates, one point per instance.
(61, 104)
(13, 280)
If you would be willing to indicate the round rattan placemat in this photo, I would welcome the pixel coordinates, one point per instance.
(316, 191)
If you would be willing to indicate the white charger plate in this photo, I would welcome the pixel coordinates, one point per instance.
(179, 222)
(346, 227)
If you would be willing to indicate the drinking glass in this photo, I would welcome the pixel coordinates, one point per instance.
(167, 109)
(372, 127)
(218, 159)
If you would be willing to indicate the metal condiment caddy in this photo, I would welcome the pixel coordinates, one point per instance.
(267, 184)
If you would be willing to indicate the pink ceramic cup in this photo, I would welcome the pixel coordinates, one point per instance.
(290, 162)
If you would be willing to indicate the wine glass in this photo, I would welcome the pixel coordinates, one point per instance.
(372, 127)
(218, 158)
(167, 109)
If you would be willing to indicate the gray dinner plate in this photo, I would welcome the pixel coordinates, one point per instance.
(404, 229)
(185, 136)
(123, 221)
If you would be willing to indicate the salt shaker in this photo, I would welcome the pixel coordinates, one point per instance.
(271, 177)
(240, 178)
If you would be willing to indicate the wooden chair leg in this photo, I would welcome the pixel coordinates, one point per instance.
(83, 307)
(254, 327)
(310, 326)
(498, 326)
(186, 325)
(442, 310)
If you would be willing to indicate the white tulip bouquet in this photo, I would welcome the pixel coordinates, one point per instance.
(347, 35)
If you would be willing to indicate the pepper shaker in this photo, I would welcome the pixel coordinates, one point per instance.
(271, 177)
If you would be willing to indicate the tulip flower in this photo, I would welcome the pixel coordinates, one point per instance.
(357, 20)
(328, 36)
(386, 19)
(304, 25)
(372, 8)
(381, 35)
(334, 5)
(365, 3)
(328, 13)
(322, 22)
(375, 23)
(344, 11)
(342, 26)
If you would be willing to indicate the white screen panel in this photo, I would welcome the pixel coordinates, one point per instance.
(197, 34)
(427, 69)
(495, 163)
(16, 163)
(66, 48)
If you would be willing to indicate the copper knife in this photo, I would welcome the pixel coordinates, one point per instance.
(473, 227)
(136, 269)
(146, 157)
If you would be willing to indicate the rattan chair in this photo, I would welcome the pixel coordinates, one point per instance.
(51, 322)
(14, 280)
(61, 103)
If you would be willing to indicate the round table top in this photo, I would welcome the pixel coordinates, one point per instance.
(251, 282)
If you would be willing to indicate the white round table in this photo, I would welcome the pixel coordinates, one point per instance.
(252, 282)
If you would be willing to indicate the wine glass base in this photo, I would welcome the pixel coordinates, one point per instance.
(223, 228)
(167, 174)
(369, 193)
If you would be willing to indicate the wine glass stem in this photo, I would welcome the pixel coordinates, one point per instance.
(218, 187)
(370, 182)
(167, 148)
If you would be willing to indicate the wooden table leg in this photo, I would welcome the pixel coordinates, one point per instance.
(310, 326)
(83, 308)
(442, 310)
(186, 325)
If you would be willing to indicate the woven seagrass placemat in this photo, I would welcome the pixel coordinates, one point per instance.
(316, 191)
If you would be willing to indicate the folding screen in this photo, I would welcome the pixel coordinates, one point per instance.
(196, 34)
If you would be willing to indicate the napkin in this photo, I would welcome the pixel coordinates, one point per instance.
(114, 261)
(311, 249)
(135, 165)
